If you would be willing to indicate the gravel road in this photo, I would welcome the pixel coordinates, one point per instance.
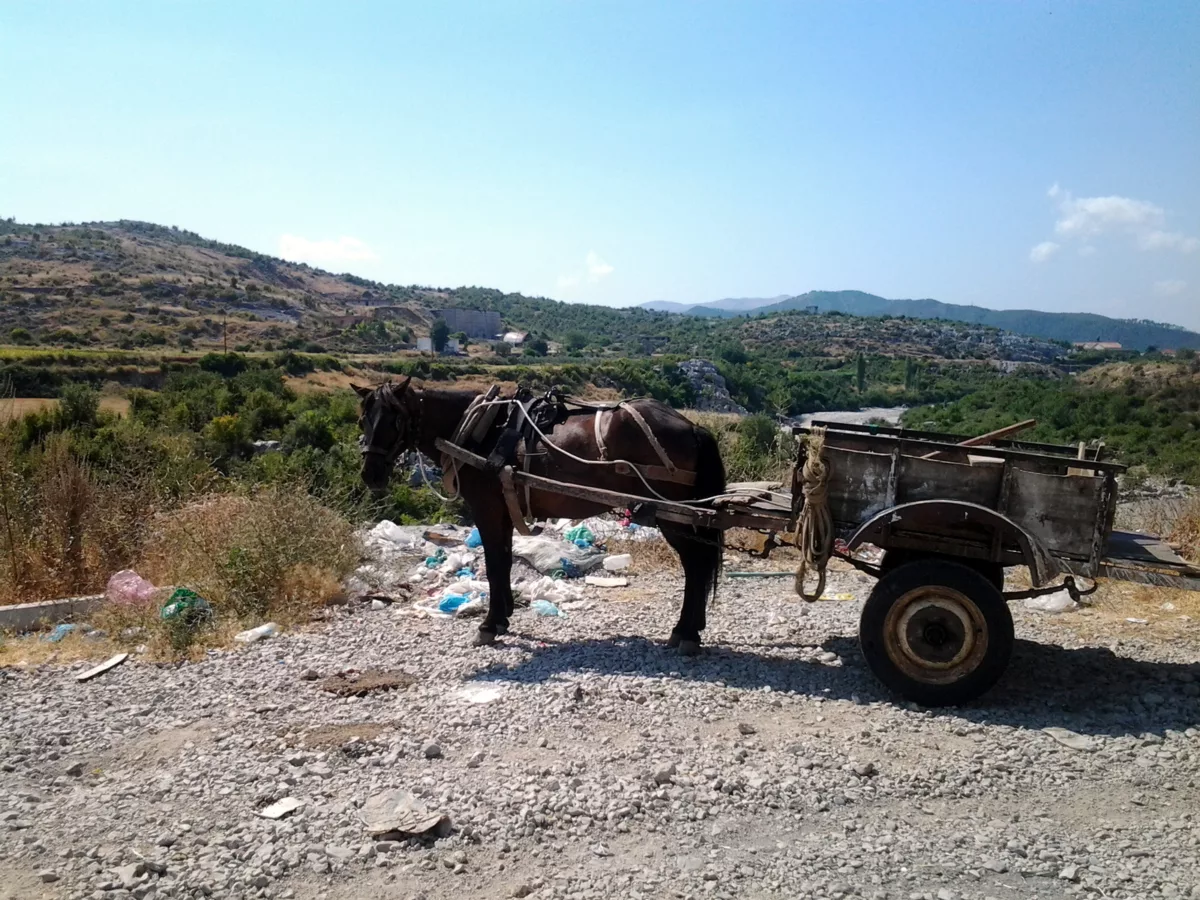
(604, 765)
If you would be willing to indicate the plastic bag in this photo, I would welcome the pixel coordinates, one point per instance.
(257, 634)
(128, 588)
(546, 608)
(187, 607)
(618, 563)
(451, 602)
(402, 537)
(581, 536)
(473, 539)
(1057, 602)
(548, 555)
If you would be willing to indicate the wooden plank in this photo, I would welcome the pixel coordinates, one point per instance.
(857, 484)
(929, 479)
(1146, 576)
(110, 663)
(990, 436)
(1059, 510)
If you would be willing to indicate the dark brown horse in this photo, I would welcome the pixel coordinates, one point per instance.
(401, 417)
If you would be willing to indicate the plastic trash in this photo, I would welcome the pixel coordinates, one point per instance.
(402, 537)
(432, 562)
(546, 608)
(473, 539)
(60, 631)
(1057, 602)
(128, 588)
(186, 607)
(618, 563)
(601, 581)
(546, 554)
(581, 536)
(257, 634)
(452, 602)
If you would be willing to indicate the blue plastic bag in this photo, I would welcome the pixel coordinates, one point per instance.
(546, 608)
(60, 632)
(473, 539)
(464, 573)
(452, 603)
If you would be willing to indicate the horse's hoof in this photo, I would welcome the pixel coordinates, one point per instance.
(673, 640)
(483, 639)
(689, 648)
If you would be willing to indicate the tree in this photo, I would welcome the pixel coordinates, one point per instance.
(862, 373)
(502, 348)
(21, 336)
(439, 334)
(537, 348)
(576, 340)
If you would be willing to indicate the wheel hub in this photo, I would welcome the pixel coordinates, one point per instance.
(936, 634)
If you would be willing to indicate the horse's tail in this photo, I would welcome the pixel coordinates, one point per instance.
(710, 482)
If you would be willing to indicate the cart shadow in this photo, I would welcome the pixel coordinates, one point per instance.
(1089, 690)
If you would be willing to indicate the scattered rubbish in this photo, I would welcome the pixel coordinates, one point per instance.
(473, 539)
(549, 555)
(353, 683)
(444, 535)
(760, 574)
(581, 536)
(452, 602)
(281, 808)
(1168, 606)
(842, 597)
(618, 563)
(1138, 621)
(553, 590)
(399, 812)
(546, 608)
(128, 588)
(479, 694)
(601, 581)
(432, 562)
(1073, 740)
(402, 537)
(103, 667)
(378, 604)
(257, 634)
(1060, 601)
(186, 607)
(60, 631)
(464, 573)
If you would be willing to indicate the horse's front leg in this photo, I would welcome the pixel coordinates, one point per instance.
(495, 531)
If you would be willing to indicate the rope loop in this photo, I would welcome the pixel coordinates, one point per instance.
(814, 527)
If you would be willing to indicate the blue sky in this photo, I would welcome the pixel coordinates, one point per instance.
(1006, 154)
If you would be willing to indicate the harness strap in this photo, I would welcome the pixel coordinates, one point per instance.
(600, 433)
(658, 448)
(513, 502)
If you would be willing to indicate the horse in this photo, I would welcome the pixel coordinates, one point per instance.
(399, 416)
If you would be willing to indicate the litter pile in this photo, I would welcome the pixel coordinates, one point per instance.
(549, 573)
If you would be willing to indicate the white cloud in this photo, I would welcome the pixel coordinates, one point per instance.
(1043, 251)
(1168, 240)
(343, 249)
(1096, 215)
(1170, 288)
(596, 267)
(568, 281)
(1082, 218)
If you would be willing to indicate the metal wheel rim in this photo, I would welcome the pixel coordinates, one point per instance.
(912, 623)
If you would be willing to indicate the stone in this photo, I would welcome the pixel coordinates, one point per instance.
(432, 751)
(1069, 873)
(47, 876)
(75, 769)
(746, 728)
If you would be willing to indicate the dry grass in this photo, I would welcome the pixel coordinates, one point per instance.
(277, 553)
(18, 407)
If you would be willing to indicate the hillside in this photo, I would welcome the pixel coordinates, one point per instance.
(1134, 334)
(138, 286)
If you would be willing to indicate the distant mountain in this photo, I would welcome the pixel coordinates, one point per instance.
(1134, 334)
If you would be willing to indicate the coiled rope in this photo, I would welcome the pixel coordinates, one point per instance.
(814, 528)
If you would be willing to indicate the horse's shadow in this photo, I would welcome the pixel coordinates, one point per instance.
(1089, 689)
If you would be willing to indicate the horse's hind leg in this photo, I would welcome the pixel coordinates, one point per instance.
(699, 557)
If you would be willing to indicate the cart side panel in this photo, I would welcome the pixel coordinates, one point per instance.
(1061, 510)
(858, 484)
(931, 479)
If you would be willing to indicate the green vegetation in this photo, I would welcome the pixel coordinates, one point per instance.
(1147, 416)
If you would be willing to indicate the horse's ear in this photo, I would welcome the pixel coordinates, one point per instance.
(362, 391)
(402, 386)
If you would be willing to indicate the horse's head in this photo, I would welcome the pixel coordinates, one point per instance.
(389, 427)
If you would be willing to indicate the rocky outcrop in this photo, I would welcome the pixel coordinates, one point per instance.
(708, 385)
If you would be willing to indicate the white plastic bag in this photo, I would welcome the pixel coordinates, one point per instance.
(402, 537)
(547, 554)
(1060, 601)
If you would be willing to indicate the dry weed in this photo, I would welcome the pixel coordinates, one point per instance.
(276, 553)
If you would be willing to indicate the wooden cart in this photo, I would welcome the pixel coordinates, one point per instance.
(936, 628)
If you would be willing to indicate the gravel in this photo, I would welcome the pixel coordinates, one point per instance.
(773, 765)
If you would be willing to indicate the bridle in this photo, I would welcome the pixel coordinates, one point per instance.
(406, 437)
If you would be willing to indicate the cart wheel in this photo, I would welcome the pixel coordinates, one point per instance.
(937, 633)
(992, 571)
